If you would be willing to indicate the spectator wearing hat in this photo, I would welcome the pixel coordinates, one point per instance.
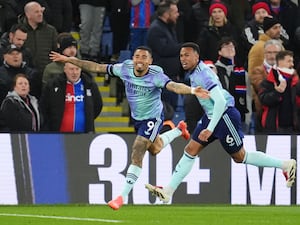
(272, 30)
(254, 27)
(287, 13)
(13, 65)
(16, 36)
(66, 45)
(218, 27)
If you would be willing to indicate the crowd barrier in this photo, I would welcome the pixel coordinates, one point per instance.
(90, 168)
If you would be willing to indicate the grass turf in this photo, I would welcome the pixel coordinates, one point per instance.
(149, 214)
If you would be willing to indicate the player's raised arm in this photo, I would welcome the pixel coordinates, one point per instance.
(84, 64)
(181, 88)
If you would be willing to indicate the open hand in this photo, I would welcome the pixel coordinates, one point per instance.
(56, 57)
(281, 87)
(201, 92)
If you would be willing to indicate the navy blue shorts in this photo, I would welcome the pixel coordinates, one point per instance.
(228, 131)
(149, 128)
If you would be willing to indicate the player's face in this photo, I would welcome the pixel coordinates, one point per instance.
(141, 61)
(72, 72)
(189, 58)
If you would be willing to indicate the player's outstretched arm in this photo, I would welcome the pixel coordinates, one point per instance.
(84, 64)
(181, 88)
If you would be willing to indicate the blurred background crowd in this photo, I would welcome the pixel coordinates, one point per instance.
(252, 45)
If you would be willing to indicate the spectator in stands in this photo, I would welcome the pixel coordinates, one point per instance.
(92, 13)
(287, 13)
(259, 73)
(20, 110)
(272, 30)
(71, 102)
(238, 12)
(232, 76)
(280, 97)
(13, 65)
(44, 4)
(41, 37)
(218, 27)
(66, 45)
(184, 26)
(61, 15)
(119, 22)
(254, 27)
(162, 39)
(140, 14)
(9, 12)
(16, 36)
(200, 16)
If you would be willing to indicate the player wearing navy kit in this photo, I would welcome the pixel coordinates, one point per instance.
(143, 84)
(221, 121)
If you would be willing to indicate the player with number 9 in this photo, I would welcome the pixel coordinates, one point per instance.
(143, 85)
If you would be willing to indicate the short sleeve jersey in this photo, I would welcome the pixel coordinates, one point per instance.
(203, 76)
(143, 93)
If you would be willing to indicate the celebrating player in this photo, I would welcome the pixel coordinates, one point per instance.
(143, 84)
(221, 121)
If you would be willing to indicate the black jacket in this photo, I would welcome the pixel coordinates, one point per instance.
(7, 74)
(26, 53)
(162, 39)
(17, 115)
(102, 3)
(280, 109)
(233, 79)
(53, 102)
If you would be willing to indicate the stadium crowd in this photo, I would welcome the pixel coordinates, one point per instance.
(253, 44)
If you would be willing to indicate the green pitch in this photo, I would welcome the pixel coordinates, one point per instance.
(150, 214)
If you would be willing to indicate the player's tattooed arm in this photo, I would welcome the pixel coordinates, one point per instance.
(84, 64)
(181, 88)
(88, 65)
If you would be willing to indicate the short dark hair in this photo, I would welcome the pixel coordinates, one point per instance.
(282, 54)
(226, 41)
(191, 45)
(146, 48)
(18, 26)
(164, 6)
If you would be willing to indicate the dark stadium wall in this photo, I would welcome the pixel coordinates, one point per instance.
(90, 168)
